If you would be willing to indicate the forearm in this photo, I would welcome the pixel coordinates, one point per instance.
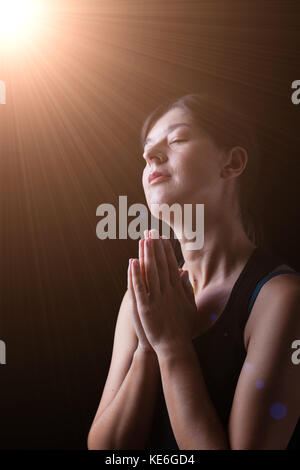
(193, 417)
(125, 423)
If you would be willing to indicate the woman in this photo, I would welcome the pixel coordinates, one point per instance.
(212, 368)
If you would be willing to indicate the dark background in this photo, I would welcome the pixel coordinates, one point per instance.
(69, 141)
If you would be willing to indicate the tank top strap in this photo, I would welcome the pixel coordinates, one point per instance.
(260, 264)
(264, 280)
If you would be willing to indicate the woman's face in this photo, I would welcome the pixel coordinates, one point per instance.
(188, 156)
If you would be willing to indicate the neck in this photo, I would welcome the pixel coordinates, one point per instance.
(225, 251)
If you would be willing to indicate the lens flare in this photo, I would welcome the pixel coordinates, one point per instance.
(19, 21)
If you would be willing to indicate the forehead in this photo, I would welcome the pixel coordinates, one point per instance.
(168, 122)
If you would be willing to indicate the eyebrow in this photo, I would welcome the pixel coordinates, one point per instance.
(170, 128)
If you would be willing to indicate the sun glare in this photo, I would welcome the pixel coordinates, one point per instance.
(19, 21)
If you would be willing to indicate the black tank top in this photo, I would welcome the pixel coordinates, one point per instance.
(221, 350)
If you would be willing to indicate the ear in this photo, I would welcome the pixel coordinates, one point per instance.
(235, 162)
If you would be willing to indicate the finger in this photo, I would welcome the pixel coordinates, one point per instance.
(172, 263)
(161, 263)
(161, 260)
(131, 294)
(139, 288)
(129, 285)
(154, 233)
(142, 260)
(160, 257)
(137, 322)
(151, 268)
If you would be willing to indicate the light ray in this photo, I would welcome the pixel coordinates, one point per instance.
(20, 22)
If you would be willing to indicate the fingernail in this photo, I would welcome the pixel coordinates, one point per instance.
(154, 233)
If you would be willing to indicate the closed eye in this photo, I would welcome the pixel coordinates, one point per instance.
(182, 140)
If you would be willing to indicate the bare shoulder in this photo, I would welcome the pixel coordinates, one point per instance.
(269, 378)
(287, 284)
(277, 302)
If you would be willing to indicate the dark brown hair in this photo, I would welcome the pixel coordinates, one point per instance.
(228, 126)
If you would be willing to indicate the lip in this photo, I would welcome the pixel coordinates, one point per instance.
(157, 176)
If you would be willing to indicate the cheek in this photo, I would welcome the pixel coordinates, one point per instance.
(144, 179)
(190, 169)
(145, 185)
(200, 165)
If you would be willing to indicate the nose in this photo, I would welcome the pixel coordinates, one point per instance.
(155, 154)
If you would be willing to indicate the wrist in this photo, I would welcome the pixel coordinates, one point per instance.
(145, 351)
(147, 357)
(175, 352)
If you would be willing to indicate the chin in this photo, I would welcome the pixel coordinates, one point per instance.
(163, 199)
